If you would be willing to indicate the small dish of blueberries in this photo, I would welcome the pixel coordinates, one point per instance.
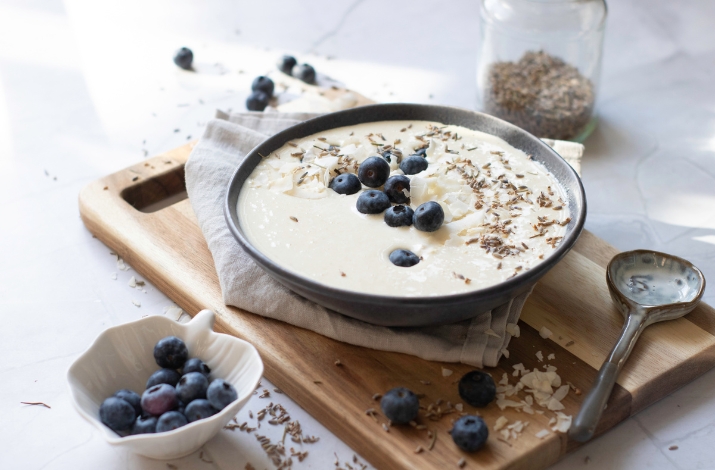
(161, 388)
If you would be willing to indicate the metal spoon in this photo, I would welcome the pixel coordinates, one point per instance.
(647, 287)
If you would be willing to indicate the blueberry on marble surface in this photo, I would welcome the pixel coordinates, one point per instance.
(171, 352)
(159, 399)
(192, 386)
(304, 72)
(184, 58)
(117, 414)
(372, 201)
(399, 216)
(257, 101)
(404, 258)
(395, 188)
(470, 433)
(347, 183)
(263, 84)
(163, 376)
(132, 398)
(428, 217)
(400, 405)
(477, 388)
(196, 365)
(170, 420)
(286, 64)
(199, 409)
(220, 394)
(144, 425)
(413, 165)
(373, 172)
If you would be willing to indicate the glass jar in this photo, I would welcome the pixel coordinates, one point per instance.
(539, 64)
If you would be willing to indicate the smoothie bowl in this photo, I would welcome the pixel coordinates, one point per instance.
(406, 215)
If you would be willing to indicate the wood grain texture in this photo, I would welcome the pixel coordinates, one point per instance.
(168, 249)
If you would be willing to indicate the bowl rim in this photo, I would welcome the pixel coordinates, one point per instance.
(110, 435)
(279, 139)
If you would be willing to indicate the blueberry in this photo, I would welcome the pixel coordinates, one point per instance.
(372, 201)
(400, 405)
(470, 433)
(192, 386)
(347, 183)
(196, 365)
(170, 352)
(159, 399)
(399, 216)
(220, 394)
(170, 421)
(394, 188)
(117, 414)
(286, 64)
(144, 425)
(373, 172)
(387, 155)
(421, 152)
(184, 58)
(305, 73)
(257, 101)
(428, 217)
(199, 409)
(263, 84)
(180, 406)
(132, 398)
(477, 388)
(404, 258)
(163, 376)
(413, 165)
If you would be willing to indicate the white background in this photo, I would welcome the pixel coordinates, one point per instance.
(88, 88)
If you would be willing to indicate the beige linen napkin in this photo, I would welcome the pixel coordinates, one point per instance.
(227, 139)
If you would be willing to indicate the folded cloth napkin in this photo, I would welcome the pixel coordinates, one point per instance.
(227, 139)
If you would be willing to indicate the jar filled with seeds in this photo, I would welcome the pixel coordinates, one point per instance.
(539, 64)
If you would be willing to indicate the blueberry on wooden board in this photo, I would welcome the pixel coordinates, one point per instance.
(400, 405)
(470, 433)
(477, 388)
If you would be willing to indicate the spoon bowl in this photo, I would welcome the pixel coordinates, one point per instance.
(647, 287)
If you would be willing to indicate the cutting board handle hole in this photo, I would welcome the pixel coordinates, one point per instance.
(157, 192)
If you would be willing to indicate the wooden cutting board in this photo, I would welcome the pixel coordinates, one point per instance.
(167, 248)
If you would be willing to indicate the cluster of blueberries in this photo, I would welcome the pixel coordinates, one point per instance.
(469, 432)
(171, 399)
(262, 87)
(374, 172)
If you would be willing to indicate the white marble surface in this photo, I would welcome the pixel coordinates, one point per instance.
(87, 88)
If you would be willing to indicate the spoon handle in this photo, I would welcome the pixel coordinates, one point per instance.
(594, 403)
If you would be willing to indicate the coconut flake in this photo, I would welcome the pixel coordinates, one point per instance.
(132, 282)
(173, 312)
(561, 393)
(114, 276)
(136, 303)
(563, 422)
(446, 372)
(545, 332)
(459, 407)
(555, 405)
(121, 265)
(551, 357)
(501, 423)
(504, 379)
(505, 352)
(540, 356)
(513, 329)
(543, 433)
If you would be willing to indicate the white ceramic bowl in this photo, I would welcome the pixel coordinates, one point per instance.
(123, 357)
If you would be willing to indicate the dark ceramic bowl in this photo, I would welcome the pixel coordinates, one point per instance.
(413, 311)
